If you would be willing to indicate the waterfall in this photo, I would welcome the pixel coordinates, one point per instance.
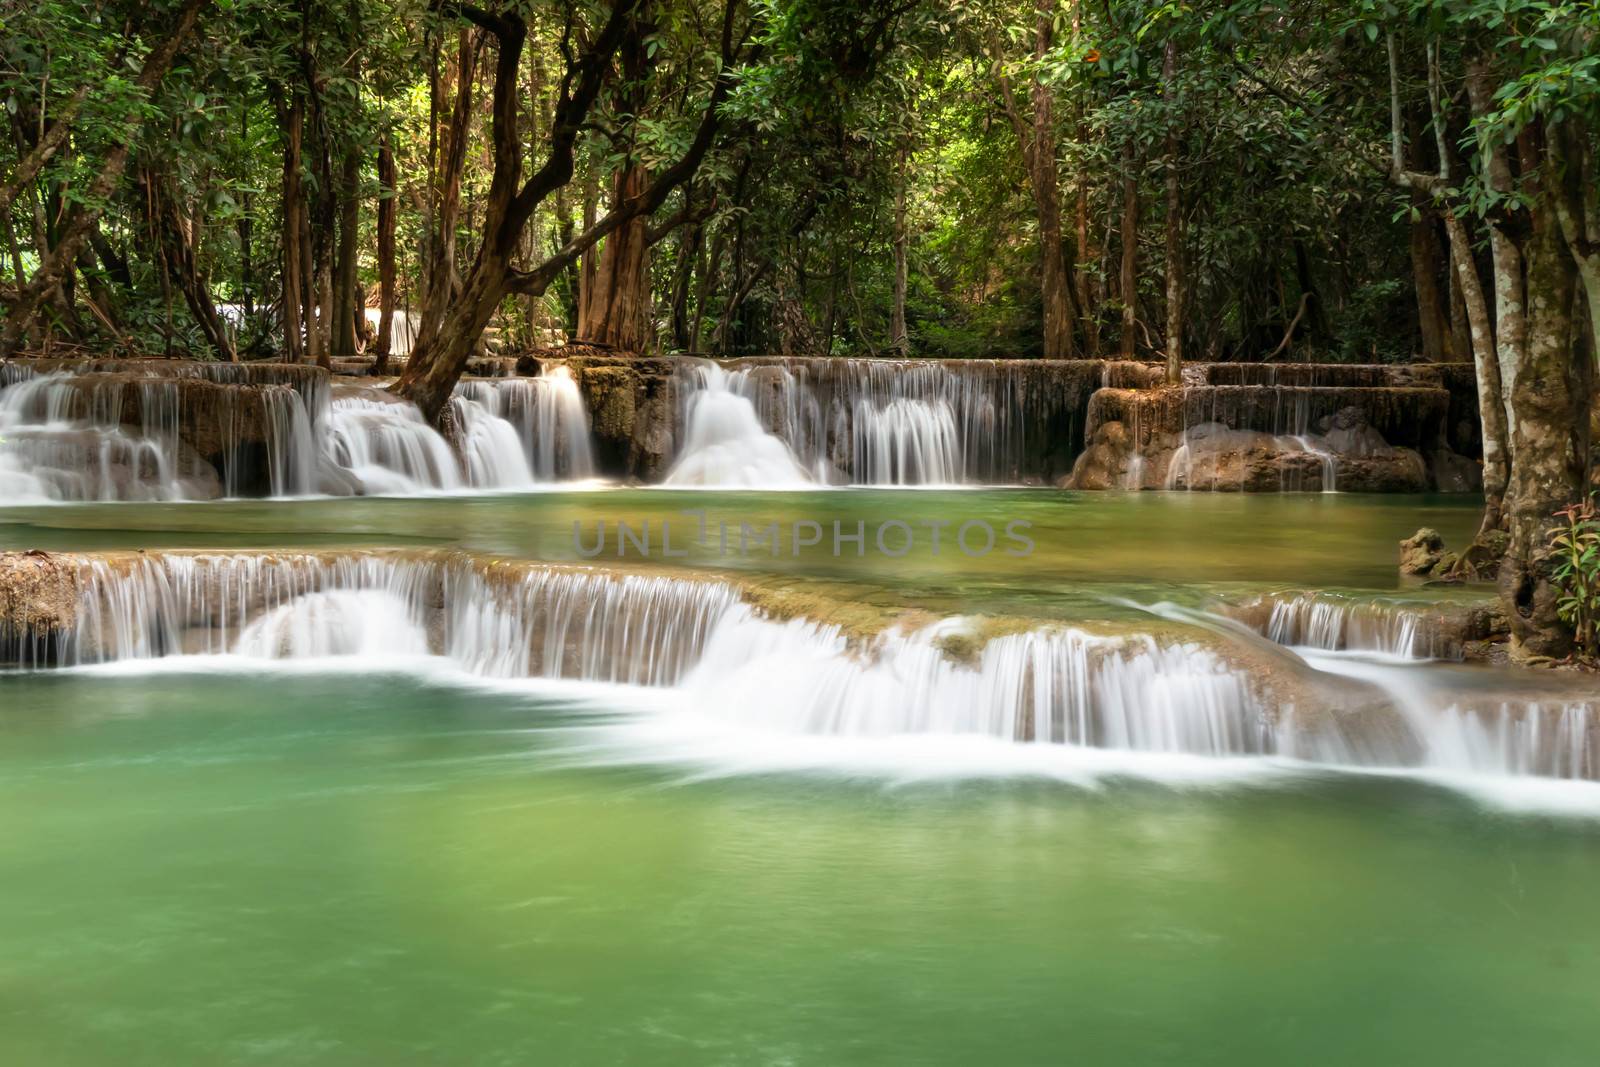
(853, 421)
(491, 620)
(1041, 687)
(588, 625)
(906, 442)
(292, 445)
(725, 444)
(113, 430)
(545, 418)
(723, 661)
(1459, 722)
(342, 622)
(491, 452)
(1464, 729)
(51, 450)
(1320, 622)
(512, 433)
(124, 433)
(1330, 464)
(384, 443)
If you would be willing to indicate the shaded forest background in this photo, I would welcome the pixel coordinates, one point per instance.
(945, 179)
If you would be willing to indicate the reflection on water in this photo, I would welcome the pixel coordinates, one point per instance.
(1089, 546)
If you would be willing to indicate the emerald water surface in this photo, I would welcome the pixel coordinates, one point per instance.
(341, 862)
(1088, 546)
(330, 869)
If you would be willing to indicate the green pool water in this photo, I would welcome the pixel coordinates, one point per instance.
(373, 869)
(312, 866)
(1089, 548)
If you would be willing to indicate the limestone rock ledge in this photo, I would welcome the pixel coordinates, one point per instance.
(39, 595)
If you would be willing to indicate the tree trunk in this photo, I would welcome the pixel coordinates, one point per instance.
(315, 349)
(1175, 294)
(1550, 438)
(386, 271)
(1316, 311)
(178, 254)
(1088, 298)
(1461, 346)
(708, 280)
(1510, 297)
(82, 219)
(345, 338)
(326, 311)
(1577, 204)
(435, 366)
(688, 252)
(1056, 279)
(1129, 282)
(441, 280)
(42, 150)
(899, 340)
(616, 313)
(589, 262)
(1036, 137)
(1486, 360)
(1432, 319)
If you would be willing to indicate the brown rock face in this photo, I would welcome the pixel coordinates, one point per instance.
(1269, 438)
(1421, 553)
(1211, 457)
(1106, 463)
(633, 413)
(38, 607)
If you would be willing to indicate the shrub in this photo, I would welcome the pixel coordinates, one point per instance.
(1576, 544)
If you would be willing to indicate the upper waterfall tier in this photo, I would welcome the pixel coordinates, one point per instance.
(169, 430)
(741, 659)
(900, 422)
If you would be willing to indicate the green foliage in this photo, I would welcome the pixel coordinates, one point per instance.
(1366, 331)
(854, 127)
(1575, 545)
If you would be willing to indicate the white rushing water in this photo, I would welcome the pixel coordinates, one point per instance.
(849, 421)
(55, 444)
(1336, 624)
(512, 433)
(725, 444)
(732, 681)
(71, 438)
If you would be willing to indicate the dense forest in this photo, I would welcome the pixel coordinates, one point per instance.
(1366, 181)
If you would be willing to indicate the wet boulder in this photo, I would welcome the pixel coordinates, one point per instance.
(1105, 463)
(1421, 553)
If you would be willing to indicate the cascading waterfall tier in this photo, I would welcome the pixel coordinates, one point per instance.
(154, 430)
(725, 443)
(1322, 622)
(159, 429)
(734, 659)
(509, 433)
(1462, 719)
(546, 417)
(883, 422)
(169, 430)
(1438, 629)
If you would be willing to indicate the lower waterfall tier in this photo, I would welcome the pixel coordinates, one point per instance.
(750, 660)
